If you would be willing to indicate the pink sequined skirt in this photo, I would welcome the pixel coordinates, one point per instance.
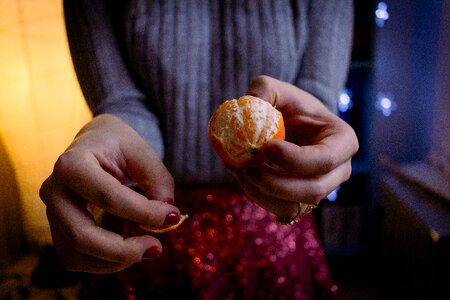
(229, 248)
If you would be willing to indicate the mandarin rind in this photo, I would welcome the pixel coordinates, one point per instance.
(163, 228)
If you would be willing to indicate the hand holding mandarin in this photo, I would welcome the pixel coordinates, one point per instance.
(239, 128)
(314, 159)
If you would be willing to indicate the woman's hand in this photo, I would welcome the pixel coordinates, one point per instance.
(87, 177)
(311, 163)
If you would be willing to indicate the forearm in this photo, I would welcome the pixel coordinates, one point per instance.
(326, 60)
(102, 72)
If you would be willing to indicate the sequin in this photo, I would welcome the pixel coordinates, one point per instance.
(229, 218)
(229, 248)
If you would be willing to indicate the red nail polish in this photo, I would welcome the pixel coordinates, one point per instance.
(151, 252)
(172, 218)
(169, 201)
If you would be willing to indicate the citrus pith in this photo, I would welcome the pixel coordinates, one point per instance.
(239, 128)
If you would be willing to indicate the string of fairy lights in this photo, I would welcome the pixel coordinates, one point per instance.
(384, 102)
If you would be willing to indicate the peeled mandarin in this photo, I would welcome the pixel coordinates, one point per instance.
(239, 128)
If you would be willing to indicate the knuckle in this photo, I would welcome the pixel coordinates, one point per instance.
(262, 80)
(352, 138)
(348, 172)
(328, 164)
(318, 191)
(45, 190)
(77, 239)
(63, 163)
(68, 161)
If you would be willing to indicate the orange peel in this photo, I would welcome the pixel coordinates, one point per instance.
(163, 228)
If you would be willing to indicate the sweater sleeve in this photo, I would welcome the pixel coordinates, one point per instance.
(102, 73)
(327, 55)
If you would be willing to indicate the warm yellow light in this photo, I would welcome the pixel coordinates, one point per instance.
(41, 106)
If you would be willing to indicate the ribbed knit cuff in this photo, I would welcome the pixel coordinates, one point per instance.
(140, 119)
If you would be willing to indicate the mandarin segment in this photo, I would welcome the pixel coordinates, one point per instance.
(239, 128)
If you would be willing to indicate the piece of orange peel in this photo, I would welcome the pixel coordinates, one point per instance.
(163, 228)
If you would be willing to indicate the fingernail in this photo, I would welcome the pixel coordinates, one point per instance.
(151, 252)
(169, 201)
(252, 174)
(172, 218)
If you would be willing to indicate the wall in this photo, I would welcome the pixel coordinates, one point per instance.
(441, 122)
(11, 224)
(41, 106)
(406, 58)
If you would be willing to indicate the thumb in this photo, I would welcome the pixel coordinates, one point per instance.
(287, 98)
(264, 87)
(144, 167)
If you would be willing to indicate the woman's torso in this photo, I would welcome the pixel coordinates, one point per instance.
(189, 56)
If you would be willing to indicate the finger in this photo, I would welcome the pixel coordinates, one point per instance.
(83, 236)
(275, 205)
(290, 187)
(329, 152)
(286, 97)
(334, 140)
(87, 178)
(143, 165)
(279, 207)
(122, 152)
(77, 262)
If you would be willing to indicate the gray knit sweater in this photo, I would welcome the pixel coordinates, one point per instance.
(165, 66)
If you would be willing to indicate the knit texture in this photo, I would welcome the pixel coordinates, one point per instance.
(165, 66)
